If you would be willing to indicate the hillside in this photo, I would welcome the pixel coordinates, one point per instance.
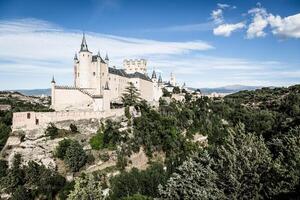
(253, 139)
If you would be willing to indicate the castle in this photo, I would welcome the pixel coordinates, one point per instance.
(97, 85)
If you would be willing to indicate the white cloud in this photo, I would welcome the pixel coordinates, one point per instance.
(223, 6)
(217, 16)
(258, 24)
(227, 29)
(285, 27)
(280, 26)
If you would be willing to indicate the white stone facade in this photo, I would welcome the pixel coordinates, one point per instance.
(96, 84)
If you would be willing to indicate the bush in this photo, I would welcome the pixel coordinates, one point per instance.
(51, 131)
(104, 156)
(62, 147)
(73, 128)
(75, 156)
(90, 159)
(96, 141)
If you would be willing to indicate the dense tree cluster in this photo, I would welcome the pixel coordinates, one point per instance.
(72, 153)
(31, 181)
(128, 184)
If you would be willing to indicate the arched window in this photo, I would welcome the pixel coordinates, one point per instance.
(28, 115)
(94, 73)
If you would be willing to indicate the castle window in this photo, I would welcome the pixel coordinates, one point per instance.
(83, 55)
(109, 78)
(36, 121)
(28, 115)
(94, 73)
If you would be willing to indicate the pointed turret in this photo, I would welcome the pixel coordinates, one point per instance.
(153, 75)
(84, 46)
(75, 57)
(53, 81)
(98, 54)
(106, 57)
(159, 79)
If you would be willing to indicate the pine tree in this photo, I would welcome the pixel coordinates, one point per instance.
(131, 96)
(193, 180)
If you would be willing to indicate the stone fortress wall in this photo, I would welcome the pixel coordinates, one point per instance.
(34, 120)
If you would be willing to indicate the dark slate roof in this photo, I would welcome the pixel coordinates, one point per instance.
(168, 84)
(95, 57)
(121, 72)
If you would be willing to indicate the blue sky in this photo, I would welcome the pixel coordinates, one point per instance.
(205, 43)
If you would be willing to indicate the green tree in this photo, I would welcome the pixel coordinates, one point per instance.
(193, 180)
(4, 133)
(143, 182)
(73, 128)
(75, 156)
(51, 131)
(15, 175)
(131, 96)
(88, 188)
(62, 147)
(21, 193)
(176, 90)
(166, 93)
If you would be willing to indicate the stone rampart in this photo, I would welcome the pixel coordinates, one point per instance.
(33, 120)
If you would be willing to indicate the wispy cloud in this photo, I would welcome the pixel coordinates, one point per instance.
(33, 50)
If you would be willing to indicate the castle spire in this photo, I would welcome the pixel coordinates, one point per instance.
(84, 46)
(75, 57)
(98, 54)
(106, 57)
(53, 81)
(159, 79)
(153, 75)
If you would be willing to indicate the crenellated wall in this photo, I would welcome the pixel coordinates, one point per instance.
(33, 120)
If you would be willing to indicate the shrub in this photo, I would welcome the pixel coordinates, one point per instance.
(104, 156)
(96, 141)
(51, 131)
(73, 128)
(90, 159)
(75, 156)
(62, 147)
